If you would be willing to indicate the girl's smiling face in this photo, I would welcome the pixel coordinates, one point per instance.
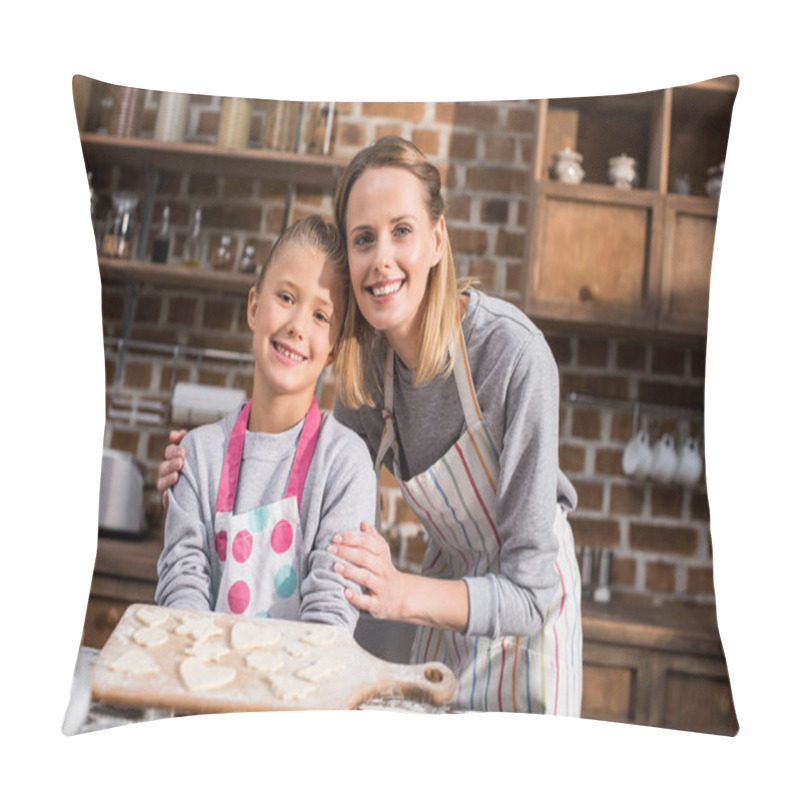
(294, 322)
(392, 245)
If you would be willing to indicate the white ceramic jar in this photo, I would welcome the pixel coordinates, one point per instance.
(622, 172)
(567, 167)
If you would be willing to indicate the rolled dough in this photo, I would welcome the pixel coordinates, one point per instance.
(247, 636)
(150, 637)
(208, 651)
(287, 688)
(152, 615)
(200, 676)
(135, 662)
(319, 637)
(265, 660)
(320, 669)
(198, 628)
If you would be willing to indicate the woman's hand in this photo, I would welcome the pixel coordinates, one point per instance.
(169, 469)
(367, 561)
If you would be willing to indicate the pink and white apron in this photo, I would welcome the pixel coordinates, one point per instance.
(260, 550)
(456, 501)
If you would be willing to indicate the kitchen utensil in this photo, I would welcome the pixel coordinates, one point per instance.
(357, 676)
(122, 480)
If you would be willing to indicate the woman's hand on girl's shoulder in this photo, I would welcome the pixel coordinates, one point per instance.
(365, 559)
(170, 468)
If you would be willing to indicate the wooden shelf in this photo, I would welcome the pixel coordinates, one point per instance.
(201, 279)
(308, 170)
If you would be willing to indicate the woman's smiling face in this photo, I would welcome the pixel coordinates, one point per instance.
(392, 246)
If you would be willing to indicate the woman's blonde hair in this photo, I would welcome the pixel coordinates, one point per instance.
(440, 304)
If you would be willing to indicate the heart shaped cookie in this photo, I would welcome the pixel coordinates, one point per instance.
(200, 676)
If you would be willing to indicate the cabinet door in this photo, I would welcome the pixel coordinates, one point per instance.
(689, 228)
(594, 255)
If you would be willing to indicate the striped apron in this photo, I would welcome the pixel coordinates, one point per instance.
(455, 499)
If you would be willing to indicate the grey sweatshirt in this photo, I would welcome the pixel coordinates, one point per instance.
(339, 494)
(516, 381)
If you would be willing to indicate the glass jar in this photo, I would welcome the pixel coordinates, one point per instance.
(126, 114)
(223, 255)
(623, 172)
(247, 263)
(121, 229)
(172, 117)
(234, 122)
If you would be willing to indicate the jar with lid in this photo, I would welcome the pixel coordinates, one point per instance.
(324, 129)
(126, 112)
(623, 172)
(713, 185)
(247, 263)
(160, 252)
(121, 230)
(190, 256)
(234, 122)
(223, 255)
(567, 167)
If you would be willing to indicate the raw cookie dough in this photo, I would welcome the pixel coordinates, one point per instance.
(200, 676)
(320, 669)
(198, 628)
(319, 637)
(265, 660)
(297, 649)
(150, 637)
(152, 615)
(247, 636)
(207, 651)
(287, 688)
(135, 662)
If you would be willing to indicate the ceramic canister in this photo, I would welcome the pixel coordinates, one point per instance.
(171, 117)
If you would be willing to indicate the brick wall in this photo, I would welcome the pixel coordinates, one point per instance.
(659, 534)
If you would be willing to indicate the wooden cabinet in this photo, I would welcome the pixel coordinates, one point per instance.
(636, 258)
(124, 573)
(661, 667)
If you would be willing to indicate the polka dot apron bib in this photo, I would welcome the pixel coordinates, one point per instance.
(259, 551)
(455, 499)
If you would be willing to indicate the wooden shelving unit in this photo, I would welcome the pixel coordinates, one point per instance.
(635, 258)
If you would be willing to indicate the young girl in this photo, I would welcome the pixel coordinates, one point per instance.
(264, 490)
(456, 393)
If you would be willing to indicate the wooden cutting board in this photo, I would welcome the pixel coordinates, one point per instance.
(270, 665)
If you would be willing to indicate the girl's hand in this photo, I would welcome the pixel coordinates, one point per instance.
(366, 560)
(169, 469)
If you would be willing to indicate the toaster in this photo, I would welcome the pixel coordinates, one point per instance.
(122, 480)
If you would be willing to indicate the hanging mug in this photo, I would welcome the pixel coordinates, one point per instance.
(665, 459)
(637, 458)
(690, 463)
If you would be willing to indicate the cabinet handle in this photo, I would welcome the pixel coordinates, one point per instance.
(585, 294)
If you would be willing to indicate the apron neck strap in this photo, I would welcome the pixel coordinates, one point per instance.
(229, 480)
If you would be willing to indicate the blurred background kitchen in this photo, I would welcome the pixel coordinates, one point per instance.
(596, 216)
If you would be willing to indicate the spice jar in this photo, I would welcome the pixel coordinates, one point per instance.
(282, 121)
(171, 117)
(126, 114)
(121, 230)
(248, 261)
(234, 122)
(324, 129)
(223, 255)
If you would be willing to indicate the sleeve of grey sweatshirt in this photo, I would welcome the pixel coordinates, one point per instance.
(515, 600)
(349, 489)
(184, 566)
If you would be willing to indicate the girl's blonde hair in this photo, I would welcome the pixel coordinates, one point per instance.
(314, 232)
(440, 304)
